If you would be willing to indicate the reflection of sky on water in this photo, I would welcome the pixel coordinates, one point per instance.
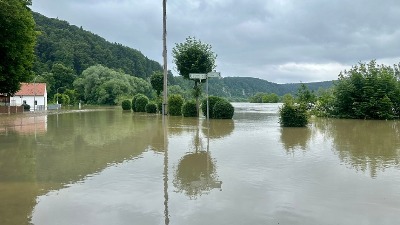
(262, 183)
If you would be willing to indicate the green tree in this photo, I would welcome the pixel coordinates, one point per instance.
(305, 96)
(194, 56)
(64, 77)
(101, 85)
(157, 82)
(288, 98)
(368, 91)
(17, 42)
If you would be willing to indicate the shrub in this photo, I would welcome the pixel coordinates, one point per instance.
(211, 102)
(159, 106)
(223, 110)
(126, 104)
(151, 107)
(293, 115)
(133, 102)
(140, 103)
(175, 103)
(189, 109)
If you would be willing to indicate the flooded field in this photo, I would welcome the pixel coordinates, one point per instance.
(106, 167)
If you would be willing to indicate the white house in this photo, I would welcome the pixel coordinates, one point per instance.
(33, 94)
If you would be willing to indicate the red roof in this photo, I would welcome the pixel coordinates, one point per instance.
(28, 89)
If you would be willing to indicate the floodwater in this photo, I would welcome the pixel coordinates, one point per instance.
(108, 167)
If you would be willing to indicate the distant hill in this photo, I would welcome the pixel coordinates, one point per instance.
(241, 88)
(60, 42)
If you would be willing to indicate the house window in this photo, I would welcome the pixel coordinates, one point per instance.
(35, 102)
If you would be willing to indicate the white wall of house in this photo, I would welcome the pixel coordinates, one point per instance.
(41, 101)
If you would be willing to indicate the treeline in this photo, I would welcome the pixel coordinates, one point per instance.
(366, 91)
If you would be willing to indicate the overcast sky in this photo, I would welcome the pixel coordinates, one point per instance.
(282, 41)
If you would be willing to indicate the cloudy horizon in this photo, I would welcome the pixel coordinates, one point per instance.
(281, 41)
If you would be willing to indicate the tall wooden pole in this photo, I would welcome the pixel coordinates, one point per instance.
(165, 113)
(165, 93)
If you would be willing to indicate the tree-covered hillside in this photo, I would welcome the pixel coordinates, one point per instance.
(241, 88)
(73, 47)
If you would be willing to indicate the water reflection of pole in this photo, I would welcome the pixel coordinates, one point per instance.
(165, 174)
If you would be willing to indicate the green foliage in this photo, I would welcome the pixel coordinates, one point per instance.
(101, 85)
(324, 106)
(211, 103)
(126, 104)
(261, 97)
(140, 103)
(293, 115)
(189, 109)
(175, 103)
(193, 56)
(78, 49)
(151, 107)
(367, 91)
(134, 100)
(17, 42)
(305, 96)
(288, 99)
(157, 82)
(223, 110)
(62, 99)
(73, 96)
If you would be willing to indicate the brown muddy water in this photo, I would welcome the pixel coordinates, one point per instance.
(108, 167)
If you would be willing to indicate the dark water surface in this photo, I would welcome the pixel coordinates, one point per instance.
(107, 167)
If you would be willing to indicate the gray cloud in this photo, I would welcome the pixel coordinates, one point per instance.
(277, 40)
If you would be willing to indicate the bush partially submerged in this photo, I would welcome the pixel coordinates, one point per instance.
(140, 103)
(151, 107)
(126, 105)
(175, 103)
(211, 102)
(292, 115)
(223, 110)
(189, 109)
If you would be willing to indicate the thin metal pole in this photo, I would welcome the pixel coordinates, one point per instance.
(165, 93)
(208, 108)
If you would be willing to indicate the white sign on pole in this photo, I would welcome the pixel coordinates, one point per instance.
(200, 76)
(214, 74)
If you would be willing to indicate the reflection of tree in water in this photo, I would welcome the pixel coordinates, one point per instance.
(218, 128)
(365, 144)
(295, 137)
(196, 171)
(196, 174)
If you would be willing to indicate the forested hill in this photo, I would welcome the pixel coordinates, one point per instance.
(241, 88)
(60, 42)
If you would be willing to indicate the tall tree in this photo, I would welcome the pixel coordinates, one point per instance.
(17, 42)
(157, 82)
(194, 56)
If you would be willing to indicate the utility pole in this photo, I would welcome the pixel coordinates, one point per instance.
(165, 92)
